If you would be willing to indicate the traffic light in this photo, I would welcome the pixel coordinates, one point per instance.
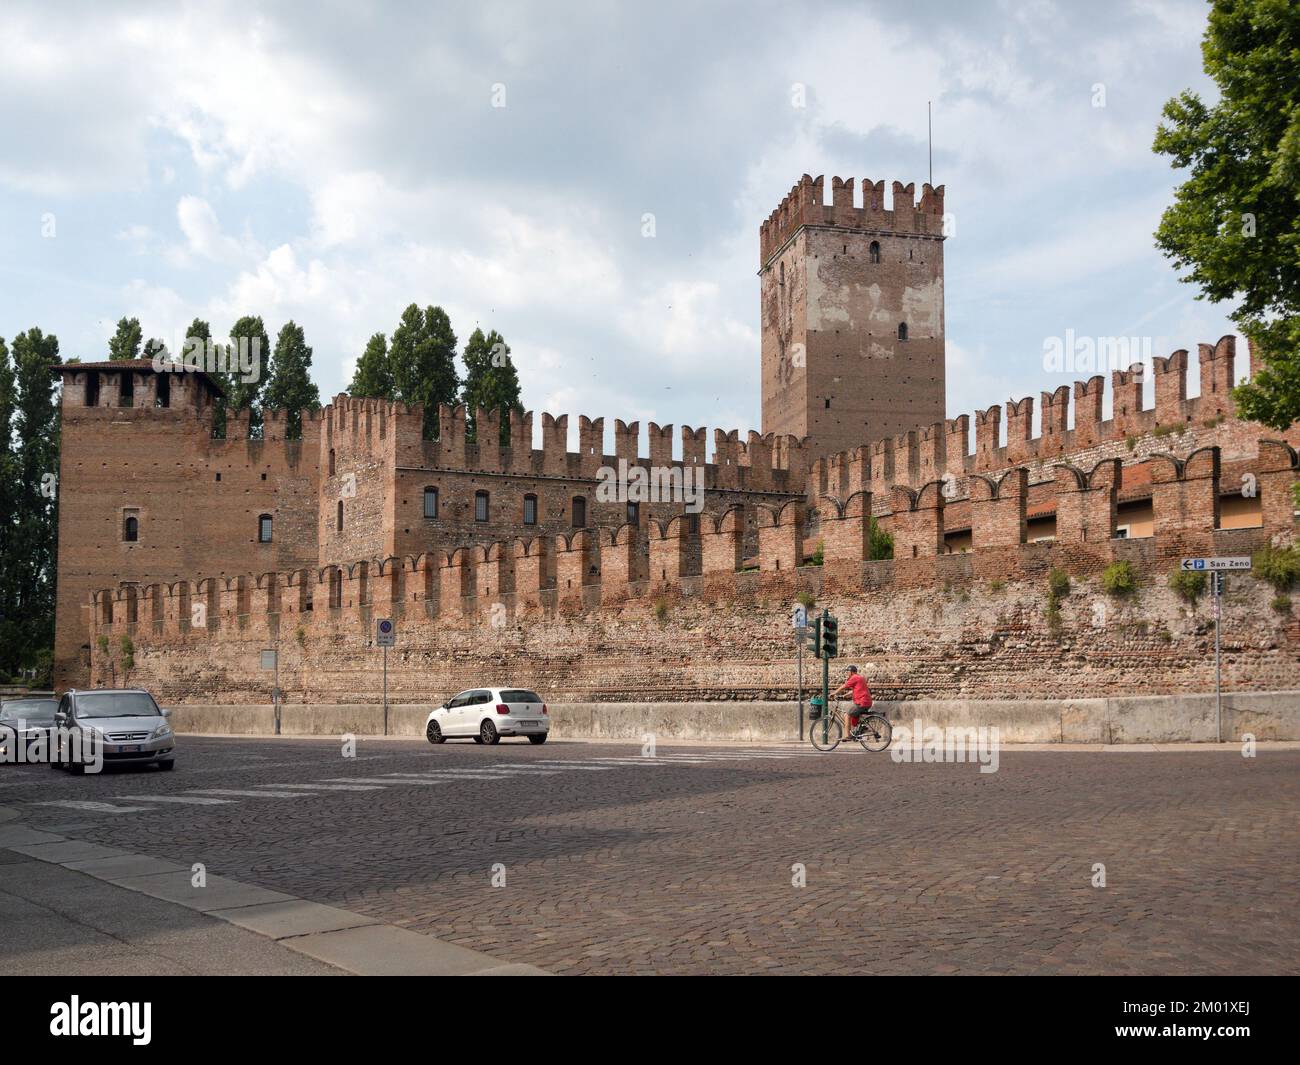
(830, 637)
(817, 638)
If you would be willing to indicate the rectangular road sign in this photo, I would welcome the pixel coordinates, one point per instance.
(385, 633)
(1217, 565)
(268, 659)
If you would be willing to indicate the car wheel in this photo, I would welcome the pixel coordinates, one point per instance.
(478, 739)
(488, 733)
(538, 739)
(168, 765)
(433, 733)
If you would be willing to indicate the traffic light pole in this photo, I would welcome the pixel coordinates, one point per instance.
(826, 681)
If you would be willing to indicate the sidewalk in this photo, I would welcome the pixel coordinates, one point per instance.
(74, 908)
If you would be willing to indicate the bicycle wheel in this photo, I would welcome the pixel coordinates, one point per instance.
(876, 733)
(826, 734)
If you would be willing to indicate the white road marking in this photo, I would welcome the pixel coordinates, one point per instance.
(328, 787)
(98, 807)
(248, 794)
(191, 800)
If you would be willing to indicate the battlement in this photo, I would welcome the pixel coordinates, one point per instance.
(592, 569)
(1131, 433)
(806, 204)
(768, 462)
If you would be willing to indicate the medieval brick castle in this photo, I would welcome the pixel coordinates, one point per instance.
(199, 551)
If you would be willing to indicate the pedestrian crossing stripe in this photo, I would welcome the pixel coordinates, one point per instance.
(191, 800)
(96, 807)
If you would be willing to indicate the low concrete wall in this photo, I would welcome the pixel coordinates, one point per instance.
(1131, 719)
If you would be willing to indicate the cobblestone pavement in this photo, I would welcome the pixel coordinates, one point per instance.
(685, 864)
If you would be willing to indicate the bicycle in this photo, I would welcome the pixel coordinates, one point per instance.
(826, 730)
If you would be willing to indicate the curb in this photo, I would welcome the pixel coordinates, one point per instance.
(360, 945)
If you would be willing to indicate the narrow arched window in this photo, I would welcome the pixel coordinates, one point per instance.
(480, 506)
(874, 251)
(331, 462)
(530, 510)
(264, 528)
(902, 330)
(431, 502)
(131, 528)
(339, 521)
(579, 512)
(634, 514)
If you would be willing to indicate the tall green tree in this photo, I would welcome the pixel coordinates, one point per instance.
(491, 382)
(243, 391)
(27, 639)
(422, 356)
(125, 343)
(1234, 225)
(10, 563)
(289, 386)
(373, 377)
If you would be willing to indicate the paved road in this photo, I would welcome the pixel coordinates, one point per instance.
(614, 863)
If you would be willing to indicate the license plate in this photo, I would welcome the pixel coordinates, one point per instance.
(128, 748)
(528, 724)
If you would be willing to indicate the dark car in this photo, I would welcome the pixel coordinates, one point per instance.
(23, 722)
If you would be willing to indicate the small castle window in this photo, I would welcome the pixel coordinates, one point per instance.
(264, 528)
(339, 520)
(126, 395)
(162, 390)
(92, 389)
(783, 273)
(902, 330)
(131, 526)
(692, 525)
(530, 510)
(331, 462)
(634, 514)
(874, 254)
(579, 512)
(431, 502)
(480, 506)
(218, 477)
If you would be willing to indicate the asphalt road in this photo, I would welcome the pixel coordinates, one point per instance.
(584, 858)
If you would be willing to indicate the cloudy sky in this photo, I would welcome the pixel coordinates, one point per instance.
(333, 162)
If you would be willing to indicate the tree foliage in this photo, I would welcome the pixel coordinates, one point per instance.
(1234, 225)
(289, 386)
(373, 377)
(422, 356)
(125, 342)
(491, 382)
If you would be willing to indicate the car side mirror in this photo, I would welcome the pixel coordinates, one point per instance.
(166, 711)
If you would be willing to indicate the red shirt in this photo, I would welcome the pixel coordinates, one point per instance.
(861, 693)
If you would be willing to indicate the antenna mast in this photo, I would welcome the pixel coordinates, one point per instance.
(929, 126)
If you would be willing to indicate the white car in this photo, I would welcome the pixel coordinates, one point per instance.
(487, 714)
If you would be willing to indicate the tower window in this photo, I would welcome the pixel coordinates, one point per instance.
(828, 404)
(92, 389)
(634, 514)
(480, 506)
(530, 510)
(902, 330)
(126, 394)
(431, 502)
(874, 254)
(331, 462)
(783, 273)
(579, 512)
(264, 528)
(131, 526)
(338, 523)
(162, 390)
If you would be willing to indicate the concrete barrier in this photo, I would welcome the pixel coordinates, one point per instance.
(1128, 719)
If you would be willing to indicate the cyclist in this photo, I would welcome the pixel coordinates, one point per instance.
(856, 684)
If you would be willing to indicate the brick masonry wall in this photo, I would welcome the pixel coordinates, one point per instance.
(957, 635)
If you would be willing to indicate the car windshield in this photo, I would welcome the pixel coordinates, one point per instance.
(116, 704)
(519, 695)
(36, 711)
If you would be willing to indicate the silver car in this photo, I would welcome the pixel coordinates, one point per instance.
(25, 725)
(124, 723)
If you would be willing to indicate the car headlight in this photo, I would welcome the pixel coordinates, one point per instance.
(162, 730)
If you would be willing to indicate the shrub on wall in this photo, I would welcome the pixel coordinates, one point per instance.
(1058, 583)
(880, 543)
(1188, 584)
(1280, 566)
(1119, 579)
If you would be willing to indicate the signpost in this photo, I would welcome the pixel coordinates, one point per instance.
(799, 621)
(385, 637)
(1217, 568)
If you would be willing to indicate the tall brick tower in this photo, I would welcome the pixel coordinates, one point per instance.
(852, 311)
